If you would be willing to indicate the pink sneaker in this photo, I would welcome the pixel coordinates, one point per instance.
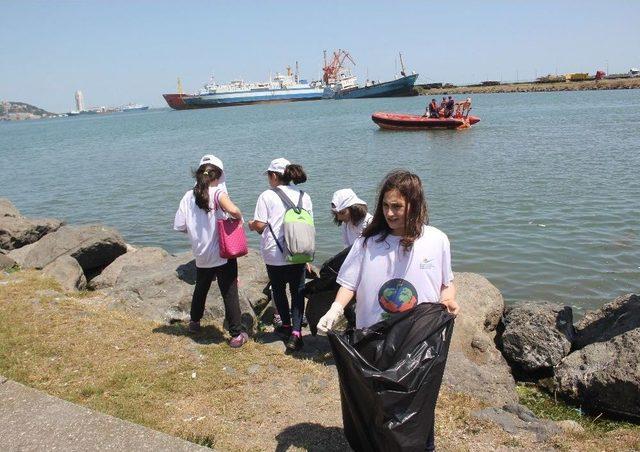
(239, 340)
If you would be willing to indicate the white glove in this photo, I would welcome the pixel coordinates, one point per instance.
(332, 316)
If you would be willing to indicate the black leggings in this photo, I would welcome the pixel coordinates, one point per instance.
(280, 276)
(227, 276)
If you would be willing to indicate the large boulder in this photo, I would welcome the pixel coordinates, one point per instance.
(93, 246)
(537, 335)
(604, 376)
(475, 366)
(7, 209)
(161, 289)
(17, 231)
(612, 319)
(141, 257)
(67, 272)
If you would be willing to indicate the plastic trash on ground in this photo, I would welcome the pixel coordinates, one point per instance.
(390, 376)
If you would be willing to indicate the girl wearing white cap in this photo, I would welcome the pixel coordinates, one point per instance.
(398, 263)
(350, 212)
(267, 221)
(196, 218)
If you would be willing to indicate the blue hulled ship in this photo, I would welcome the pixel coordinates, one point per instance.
(340, 83)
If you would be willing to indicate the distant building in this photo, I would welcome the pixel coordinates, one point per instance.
(79, 101)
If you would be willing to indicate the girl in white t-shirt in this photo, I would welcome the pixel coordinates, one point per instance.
(398, 262)
(196, 217)
(267, 221)
(349, 212)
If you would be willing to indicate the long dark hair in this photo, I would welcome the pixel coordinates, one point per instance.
(204, 175)
(357, 212)
(292, 173)
(410, 187)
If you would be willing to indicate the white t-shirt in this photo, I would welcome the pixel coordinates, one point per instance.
(200, 226)
(387, 279)
(350, 231)
(270, 209)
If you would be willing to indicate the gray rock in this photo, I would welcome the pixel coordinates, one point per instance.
(94, 247)
(161, 288)
(489, 381)
(7, 209)
(67, 272)
(141, 257)
(15, 232)
(475, 366)
(537, 335)
(6, 262)
(516, 423)
(604, 376)
(612, 319)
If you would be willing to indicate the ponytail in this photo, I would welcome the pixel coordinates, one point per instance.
(294, 173)
(204, 175)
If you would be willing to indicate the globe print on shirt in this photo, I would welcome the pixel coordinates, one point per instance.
(397, 295)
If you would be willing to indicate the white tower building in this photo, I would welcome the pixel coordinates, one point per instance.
(79, 101)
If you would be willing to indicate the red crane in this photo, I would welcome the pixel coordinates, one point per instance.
(332, 69)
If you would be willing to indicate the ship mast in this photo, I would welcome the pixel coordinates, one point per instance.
(403, 71)
(180, 86)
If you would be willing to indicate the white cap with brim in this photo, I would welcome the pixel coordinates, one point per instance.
(345, 198)
(215, 161)
(278, 165)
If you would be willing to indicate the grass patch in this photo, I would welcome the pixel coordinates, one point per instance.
(546, 407)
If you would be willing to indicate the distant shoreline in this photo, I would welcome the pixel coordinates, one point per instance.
(587, 85)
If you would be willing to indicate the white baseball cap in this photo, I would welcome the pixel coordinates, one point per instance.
(344, 198)
(215, 161)
(278, 165)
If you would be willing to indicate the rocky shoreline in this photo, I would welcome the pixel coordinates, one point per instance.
(587, 85)
(594, 363)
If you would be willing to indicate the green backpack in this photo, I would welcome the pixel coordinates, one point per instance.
(299, 231)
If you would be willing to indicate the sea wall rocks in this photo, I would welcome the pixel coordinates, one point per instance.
(159, 286)
(595, 364)
(94, 247)
(67, 272)
(141, 257)
(612, 319)
(17, 231)
(537, 335)
(475, 366)
(604, 376)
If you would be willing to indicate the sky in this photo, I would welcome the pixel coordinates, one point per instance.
(117, 52)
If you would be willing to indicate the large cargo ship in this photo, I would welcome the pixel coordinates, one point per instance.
(340, 83)
(281, 88)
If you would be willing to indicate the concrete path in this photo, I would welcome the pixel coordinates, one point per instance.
(33, 420)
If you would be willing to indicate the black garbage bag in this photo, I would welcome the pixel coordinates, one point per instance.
(390, 376)
(321, 292)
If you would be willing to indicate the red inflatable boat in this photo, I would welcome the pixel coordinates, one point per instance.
(397, 121)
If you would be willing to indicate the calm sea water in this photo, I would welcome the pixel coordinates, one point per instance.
(542, 196)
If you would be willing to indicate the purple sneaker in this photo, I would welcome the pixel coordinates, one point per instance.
(239, 340)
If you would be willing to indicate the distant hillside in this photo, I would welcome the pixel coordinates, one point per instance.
(19, 110)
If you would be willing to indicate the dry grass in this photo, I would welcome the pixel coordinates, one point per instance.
(199, 389)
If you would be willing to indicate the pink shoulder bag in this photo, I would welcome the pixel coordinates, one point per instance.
(231, 237)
